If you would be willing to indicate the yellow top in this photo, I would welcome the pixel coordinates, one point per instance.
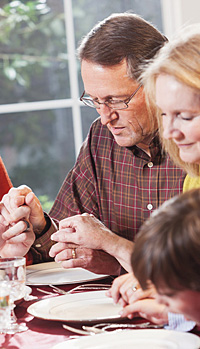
(191, 183)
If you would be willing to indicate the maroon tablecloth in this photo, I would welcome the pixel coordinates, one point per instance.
(43, 334)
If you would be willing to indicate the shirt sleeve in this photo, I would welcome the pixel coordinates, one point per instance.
(178, 322)
(42, 244)
(77, 195)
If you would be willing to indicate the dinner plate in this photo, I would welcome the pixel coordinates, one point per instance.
(78, 307)
(129, 339)
(53, 273)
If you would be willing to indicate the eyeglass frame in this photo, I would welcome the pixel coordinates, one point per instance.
(125, 101)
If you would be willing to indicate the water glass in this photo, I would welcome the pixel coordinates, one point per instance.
(12, 274)
(5, 309)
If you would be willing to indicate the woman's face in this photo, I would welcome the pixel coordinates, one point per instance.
(186, 302)
(180, 107)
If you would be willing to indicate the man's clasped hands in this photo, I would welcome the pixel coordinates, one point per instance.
(22, 220)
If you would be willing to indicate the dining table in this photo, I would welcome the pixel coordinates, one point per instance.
(45, 334)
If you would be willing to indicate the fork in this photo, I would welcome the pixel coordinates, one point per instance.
(86, 332)
(46, 292)
(92, 330)
(107, 326)
(81, 288)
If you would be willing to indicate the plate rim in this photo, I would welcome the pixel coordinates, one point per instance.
(58, 266)
(71, 297)
(130, 332)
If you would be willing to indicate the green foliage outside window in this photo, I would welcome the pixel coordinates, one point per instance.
(32, 40)
(38, 146)
(34, 67)
(45, 202)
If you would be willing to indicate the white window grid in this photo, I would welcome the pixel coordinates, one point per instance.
(170, 9)
(72, 102)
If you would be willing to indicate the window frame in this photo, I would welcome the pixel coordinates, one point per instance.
(72, 102)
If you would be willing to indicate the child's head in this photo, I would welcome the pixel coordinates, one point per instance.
(167, 253)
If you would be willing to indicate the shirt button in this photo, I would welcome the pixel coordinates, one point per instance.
(38, 245)
(149, 207)
(150, 164)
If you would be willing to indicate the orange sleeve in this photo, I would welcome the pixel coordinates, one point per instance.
(5, 185)
(5, 181)
(29, 258)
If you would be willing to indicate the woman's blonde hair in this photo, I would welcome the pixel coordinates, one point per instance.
(181, 59)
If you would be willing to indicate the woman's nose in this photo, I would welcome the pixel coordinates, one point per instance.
(169, 128)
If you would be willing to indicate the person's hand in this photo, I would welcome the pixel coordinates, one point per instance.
(87, 232)
(19, 197)
(125, 289)
(74, 256)
(79, 244)
(16, 238)
(149, 309)
(84, 230)
(121, 289)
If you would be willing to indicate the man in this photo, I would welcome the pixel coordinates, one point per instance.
(121, 174)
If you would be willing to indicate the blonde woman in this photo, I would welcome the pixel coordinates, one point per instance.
(172, 82)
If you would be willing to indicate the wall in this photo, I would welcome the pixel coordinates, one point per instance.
(177, 13)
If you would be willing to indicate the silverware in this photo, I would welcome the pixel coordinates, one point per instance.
(81, 288)
(76, 330)
(58, 290)
(93, 329)
(78, 288)
(46, 292)
(106, 326)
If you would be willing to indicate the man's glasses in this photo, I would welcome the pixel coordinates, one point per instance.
(112, 104)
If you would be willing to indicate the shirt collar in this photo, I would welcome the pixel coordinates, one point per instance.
(155, 149)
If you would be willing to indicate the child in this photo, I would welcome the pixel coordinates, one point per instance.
(167, 254)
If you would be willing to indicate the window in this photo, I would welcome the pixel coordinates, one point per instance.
(42, 121)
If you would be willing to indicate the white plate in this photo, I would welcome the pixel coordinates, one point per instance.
(53, 273)
(138, 339)
(84, 307)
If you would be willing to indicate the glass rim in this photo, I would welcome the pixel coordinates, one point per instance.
(17, 261)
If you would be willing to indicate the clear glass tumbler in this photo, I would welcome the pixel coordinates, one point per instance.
(12, 273)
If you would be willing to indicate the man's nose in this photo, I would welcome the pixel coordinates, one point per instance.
(107, 114)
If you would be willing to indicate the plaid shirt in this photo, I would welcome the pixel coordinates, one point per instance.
(120, 186)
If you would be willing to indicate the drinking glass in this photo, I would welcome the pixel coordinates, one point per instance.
(13, 273)
(4, 305)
